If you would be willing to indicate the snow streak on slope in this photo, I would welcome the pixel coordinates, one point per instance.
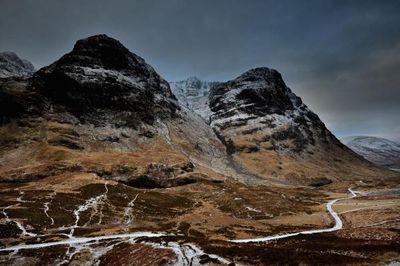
(193, 94)
(13, 66)
(90, 204)
(377, 150)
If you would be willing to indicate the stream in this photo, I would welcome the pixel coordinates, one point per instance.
(187, 253)
(329, 206)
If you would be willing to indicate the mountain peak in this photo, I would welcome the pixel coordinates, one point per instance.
(101, 74)
(377, 150)
(106, 52)
(9, 54)
(13, 66)
(262, 72)
(257, 91)
(259, 101)
(193, 79)
(101, 42)
(96, 39)
(267, 78)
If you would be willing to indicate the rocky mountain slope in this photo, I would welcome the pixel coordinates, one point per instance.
(377, 150)
(100, 98)
(193, 93)
(271, 132)
(13, 66)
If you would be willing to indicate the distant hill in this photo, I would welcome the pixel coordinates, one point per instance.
(377, 150)
(13, 66)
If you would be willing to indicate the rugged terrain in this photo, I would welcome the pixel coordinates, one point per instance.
(272, 133)
(13, 66)
(193, 93)
(377, 150)
(100, 164)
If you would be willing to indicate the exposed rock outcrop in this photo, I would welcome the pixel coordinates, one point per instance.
(259, 103)
(268, 129)
(101, 76)
(13, 66)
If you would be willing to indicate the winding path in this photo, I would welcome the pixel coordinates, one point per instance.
(338, 224)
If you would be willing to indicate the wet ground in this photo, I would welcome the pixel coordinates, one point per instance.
(108, 223)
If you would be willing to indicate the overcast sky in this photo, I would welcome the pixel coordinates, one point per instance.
(341, 57)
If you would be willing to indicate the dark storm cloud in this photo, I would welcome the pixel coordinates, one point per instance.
(341, 57)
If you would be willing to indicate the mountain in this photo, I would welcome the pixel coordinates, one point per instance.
(271, 132)
(13, 66)
(101, 76)
(377, 150)
(193, 93)
(101, 98)
(101, 165)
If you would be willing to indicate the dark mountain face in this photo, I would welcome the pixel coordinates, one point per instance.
(259, 102)
(270, 132)
(100, 75)
(262, 90)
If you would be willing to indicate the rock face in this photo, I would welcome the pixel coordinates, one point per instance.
(16, 101)
(271, 132)
(101, 75)
(13, 66)
(193, 93)
(377, 150)
(258, 102)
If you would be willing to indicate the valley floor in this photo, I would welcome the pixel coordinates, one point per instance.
(106, 223)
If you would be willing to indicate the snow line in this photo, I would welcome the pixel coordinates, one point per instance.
(338, 224)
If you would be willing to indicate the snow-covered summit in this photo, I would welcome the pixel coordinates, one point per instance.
(193, 94)
(377, 150)
(13, 66)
